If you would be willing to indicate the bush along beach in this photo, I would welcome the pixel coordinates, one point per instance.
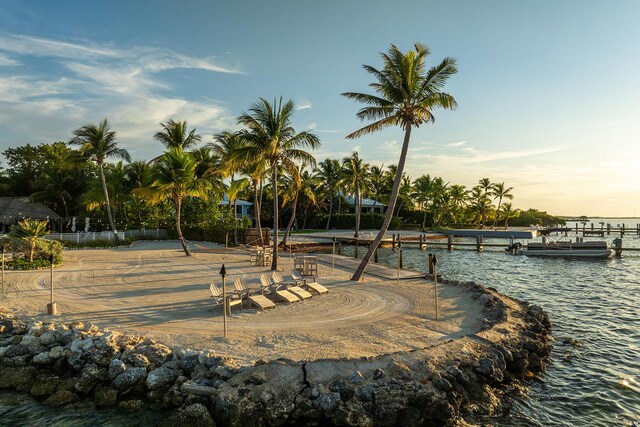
(464, 378)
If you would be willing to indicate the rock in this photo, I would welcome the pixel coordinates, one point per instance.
(42, 358)
(327, 403)
(49, 338)
(44, 385)
(443, 384)
(400, 370)
(131, 405)
(32, 343)
(161, 377)
(91, 374)
(157, 354)
(379, 373)
(188, 363)
(138, 360)
(15, 350)
(57, 352)
(129, 378)
(487, 300)
(200, 390)
(61, 397)
(116, 367)
(366, 393)
(105, 396)
(76, 360)
(20, 378)
(356, 378)
(81, 345)
(193, 415)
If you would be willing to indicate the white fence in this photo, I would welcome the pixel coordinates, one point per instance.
(81, 237)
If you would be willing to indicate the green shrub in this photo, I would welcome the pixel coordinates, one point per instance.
(43, 251)
(23, 264)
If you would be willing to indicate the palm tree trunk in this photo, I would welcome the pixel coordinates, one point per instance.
(32, 250)
(257, 213)
(339, 204)
(291, 221)
(274, 262)
(330, 210)
(235, 222)
(178, 204)
(357, 213)
(392, 203)
(495, 220)
(106, 200)
(424, 219)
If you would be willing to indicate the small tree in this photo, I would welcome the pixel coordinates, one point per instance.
(30, 230)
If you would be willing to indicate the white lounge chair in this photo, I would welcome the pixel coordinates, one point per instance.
(290, 286)
(312, 286)
(281, 294)
(216, 293)
(260, 301)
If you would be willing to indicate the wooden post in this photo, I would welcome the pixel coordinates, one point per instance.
(355, 252)
(3, 269)
(435, 283)
(400, 255)
(430, 263)
(375, 254)
(398, 270)
(340, 248)
(450, 242)
(333, 253)
(577, 231)
(479, 246)
(393, 241)
(223, 273)
(608, 228)
(617, 244)
(592, 226)
(52, 306)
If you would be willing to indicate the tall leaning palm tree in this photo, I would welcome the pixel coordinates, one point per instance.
(98, 143)
(175, 179)
(355, 173)
(406, 95)
(270, 135)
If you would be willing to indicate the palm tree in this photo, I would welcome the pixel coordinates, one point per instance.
(355, 174)
(233, 192)
(174, 135)
(30, 230)
(98, 143)
(507, 212)
(175, 179)
(271, 136)
(500, 191)
(458, 195)
(422, 188)
(439, 199)
(376, 184)
(290, 195)
(406, 96)
(480, 204)
(328, 175)
(486, 185)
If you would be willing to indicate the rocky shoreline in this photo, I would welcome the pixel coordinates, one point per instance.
(462, 379)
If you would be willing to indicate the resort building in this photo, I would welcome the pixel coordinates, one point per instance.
(367, 205)
(243, 207)
(14, 209)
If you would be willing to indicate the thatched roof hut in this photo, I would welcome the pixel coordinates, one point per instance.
(13, 209)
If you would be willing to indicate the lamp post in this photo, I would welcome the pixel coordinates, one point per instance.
(223, 273)
(52, 307)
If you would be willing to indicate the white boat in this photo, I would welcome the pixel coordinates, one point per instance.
(567, 249)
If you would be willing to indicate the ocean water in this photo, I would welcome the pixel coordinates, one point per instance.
(593, 378)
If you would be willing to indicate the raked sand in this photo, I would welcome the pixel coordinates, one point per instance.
(153, 289)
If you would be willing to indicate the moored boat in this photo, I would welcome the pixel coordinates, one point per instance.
(567, 249)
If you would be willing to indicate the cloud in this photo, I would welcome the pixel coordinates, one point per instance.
(7, 61)
(84, 82)
(455, 144)
(305, 106)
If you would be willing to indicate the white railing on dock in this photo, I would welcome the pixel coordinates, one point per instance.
(81, 237)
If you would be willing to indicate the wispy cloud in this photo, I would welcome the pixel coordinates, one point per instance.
(88, 81)
(455, 144)
(305, 106)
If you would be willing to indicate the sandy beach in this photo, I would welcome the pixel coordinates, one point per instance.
(152, 289)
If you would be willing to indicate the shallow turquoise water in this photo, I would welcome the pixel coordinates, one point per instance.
(592, 382)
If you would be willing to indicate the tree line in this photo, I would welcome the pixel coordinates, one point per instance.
(268, 162)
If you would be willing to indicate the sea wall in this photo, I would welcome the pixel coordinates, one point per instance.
(462, 378)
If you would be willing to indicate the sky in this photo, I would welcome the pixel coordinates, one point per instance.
(548, 92)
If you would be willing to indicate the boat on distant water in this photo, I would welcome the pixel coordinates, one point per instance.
(564, 249)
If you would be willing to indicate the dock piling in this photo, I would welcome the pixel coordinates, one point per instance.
(617, 245)
(479, 245)
(450, 242)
